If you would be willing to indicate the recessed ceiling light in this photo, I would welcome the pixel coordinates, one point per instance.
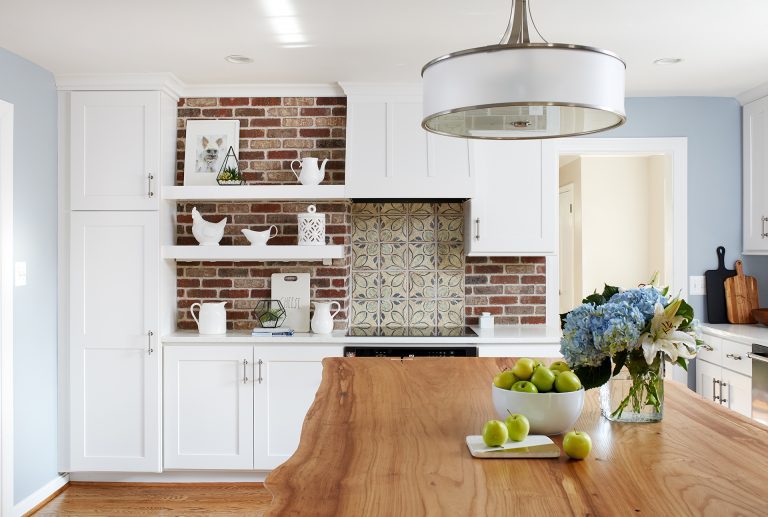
(667, 61)
(238, 59)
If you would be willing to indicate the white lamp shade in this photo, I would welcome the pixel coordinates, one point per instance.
(521, 92)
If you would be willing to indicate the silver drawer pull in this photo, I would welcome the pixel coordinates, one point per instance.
(757, 357)
(722, 400)
(150, 177)
(715, 397)
(149, 342)
(707, 347)
(245, 374)
(735, 357)
(260, 377)
(763, 219)
(477, 233)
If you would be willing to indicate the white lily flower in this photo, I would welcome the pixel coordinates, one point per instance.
(664, 335)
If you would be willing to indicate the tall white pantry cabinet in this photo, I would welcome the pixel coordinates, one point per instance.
(117, 149)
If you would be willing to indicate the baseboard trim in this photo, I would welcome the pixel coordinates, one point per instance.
(196, 476)
(41, 496)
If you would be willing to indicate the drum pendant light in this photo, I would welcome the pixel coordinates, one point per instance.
(520, 90)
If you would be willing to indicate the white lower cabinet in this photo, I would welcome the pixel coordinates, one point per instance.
(208, 416)
(238, 407)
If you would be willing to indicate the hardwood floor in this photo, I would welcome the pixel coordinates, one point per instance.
(165, 499)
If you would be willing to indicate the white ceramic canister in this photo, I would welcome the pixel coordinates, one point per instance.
(311, 227)
(322, 320)
(486, 320)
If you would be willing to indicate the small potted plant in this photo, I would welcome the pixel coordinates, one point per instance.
(229, 174)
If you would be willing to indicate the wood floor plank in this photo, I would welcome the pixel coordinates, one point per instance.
(172, 499)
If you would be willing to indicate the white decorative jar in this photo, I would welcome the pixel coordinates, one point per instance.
(311, 228)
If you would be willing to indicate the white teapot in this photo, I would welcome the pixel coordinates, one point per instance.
(311, 174)
(213, 318)
(322, 320)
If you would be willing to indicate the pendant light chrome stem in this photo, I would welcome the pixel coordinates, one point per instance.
(517, 29)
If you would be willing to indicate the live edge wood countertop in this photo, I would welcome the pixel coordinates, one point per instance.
(386, 438)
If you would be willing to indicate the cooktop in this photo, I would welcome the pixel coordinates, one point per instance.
(411, 332)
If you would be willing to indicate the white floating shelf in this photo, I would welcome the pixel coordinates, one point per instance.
(253, 253)
(254, 192)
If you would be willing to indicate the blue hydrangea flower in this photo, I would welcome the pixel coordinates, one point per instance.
(616, 327)
(577, 344)
(642, 298)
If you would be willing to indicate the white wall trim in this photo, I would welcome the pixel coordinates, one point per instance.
(6, 308)
(180, 476)
(758, 92)
(177, 88)
(39, 495)
(677, 149)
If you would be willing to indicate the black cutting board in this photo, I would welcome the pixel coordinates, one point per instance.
(715, 285)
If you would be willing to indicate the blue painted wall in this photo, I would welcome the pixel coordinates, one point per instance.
(713, 128)
(32, 92)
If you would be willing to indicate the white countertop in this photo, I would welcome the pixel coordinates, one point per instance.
(747, 334)
(500, 335)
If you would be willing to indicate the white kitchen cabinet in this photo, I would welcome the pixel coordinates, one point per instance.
(389, 154)
(737, 392)
(115, 149)
(513, 210)
(707, 380)
(208, 415)
(114, 361)
(755, 176)
(287, 379)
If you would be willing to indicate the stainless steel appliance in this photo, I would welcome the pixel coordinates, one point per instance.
(453, 347)
(759, 356)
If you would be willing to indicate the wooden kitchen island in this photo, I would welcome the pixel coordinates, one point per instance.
(386, 438)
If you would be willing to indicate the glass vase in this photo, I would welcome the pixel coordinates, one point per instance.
(636, 393)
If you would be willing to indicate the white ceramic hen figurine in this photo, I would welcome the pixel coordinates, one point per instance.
(207, 233)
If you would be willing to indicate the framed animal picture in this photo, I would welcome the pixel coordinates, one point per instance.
(207, 143)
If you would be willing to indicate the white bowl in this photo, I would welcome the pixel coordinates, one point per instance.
(548, 413)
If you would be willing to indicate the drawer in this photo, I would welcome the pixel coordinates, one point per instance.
(735, 357)
(715, 355)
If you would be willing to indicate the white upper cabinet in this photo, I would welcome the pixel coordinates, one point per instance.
(513, 210)
(389, 155)
(114, 359)
(755, 181)
(115, 150)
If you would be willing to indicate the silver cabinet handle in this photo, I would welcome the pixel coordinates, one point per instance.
(245, 373)
(715, 398)
(735, 357)
(477, 233)
(722, 400)
(763, 219)
(707, 347)
(260, 377)
(149, 342)
(150, 177)
(757, 357)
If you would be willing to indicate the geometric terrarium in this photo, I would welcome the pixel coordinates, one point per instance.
(269, 313)
(229, 174)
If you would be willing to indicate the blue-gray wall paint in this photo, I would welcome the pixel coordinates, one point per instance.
(713, 128)
(32, 92)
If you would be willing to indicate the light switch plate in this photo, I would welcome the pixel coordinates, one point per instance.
(20, 274)
(696, 286)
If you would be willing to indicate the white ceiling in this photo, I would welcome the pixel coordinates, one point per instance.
(724, 44)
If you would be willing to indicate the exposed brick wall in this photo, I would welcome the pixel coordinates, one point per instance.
(273, 132)
(511, 288)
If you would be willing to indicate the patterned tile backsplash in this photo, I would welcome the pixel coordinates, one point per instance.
(407, 264)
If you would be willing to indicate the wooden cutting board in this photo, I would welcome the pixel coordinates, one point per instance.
(292, 289)
(741, 296)
(714, 280)
(534, 446)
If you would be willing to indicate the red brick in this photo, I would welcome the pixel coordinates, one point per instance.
(315, 132)
(234, 293)
(217, 282)
(505, 279)
(331, 101)
(533, 260)
(265, 101)
(533, 279)
(188, 282)
(331, 271)
(252, 133)
(505, 260)
(266, 122)
(282, 155)
(266, 207)
(249, 112)
(190, 112)
(533, 300)
(261, 293)
(201, 293)
(217, 112)
(480, 268)
(233, 101)
(502, 300)
(487, 308)
(313, 112)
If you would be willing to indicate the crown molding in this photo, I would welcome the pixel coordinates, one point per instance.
(382, 89)
(758, 92)
(176, 88)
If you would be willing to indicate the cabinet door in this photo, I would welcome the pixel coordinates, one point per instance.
(737, 392)
(208, 415)
(286, 382)
(114, 361)
(115, 148)
(755, 181)
(513, 210)
(708, 380)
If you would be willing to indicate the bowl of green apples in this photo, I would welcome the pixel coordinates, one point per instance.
(550, 396)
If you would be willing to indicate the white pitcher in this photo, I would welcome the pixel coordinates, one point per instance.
(322, 320)
(311, 174)
(213, 318)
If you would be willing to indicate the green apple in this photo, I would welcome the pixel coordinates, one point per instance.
(525, 387)
(561, 366)
(567, 381)
(517, 427)
(505, 380)
(577, 445)
(536, 364)
(523, 368)
(543, 379)
(495, 433)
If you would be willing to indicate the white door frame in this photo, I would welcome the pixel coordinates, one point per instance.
(568, 188)
(676, 148)
(6, 308)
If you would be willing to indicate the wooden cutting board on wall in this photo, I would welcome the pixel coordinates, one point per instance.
(741, 296)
